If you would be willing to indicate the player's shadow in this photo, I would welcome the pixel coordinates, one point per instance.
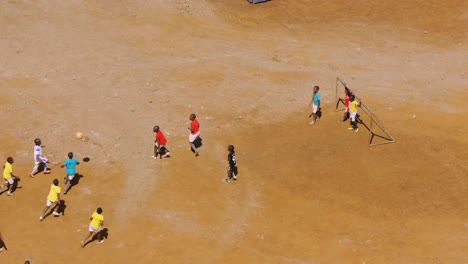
(198, 143)
(3, 245)
(15, 185)
(104, 233)
(60, 209)
(13, 188)
(319, 113)
(41, 168)
(75, 181)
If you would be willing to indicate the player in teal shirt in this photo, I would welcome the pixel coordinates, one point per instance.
(315, 103)
(70, 164)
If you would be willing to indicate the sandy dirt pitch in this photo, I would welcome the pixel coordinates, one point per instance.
(305, 194)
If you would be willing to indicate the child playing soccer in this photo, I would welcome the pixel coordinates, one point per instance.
(39, 158)
(53, 197)
(160, 144)
(353, 105)
(315, 103)
(70, 164)
(232, 168)
(8, 175)
(95, 227)
(346, 104)
(194, 133)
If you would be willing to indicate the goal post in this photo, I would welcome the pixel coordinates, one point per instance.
(371, 122)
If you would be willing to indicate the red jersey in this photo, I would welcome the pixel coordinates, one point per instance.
(161, 139)
(346, 103)
(194, 127)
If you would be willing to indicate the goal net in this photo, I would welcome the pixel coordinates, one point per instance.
(378, 134)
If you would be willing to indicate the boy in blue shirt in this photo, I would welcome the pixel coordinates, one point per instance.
(315, 102)
(70, 164)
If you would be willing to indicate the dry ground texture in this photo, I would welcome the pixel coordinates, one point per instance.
(305, 194)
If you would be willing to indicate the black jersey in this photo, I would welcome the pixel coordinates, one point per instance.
(232, 159)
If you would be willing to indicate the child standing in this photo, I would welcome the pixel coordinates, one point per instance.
(70, 164)
(95, 227)
(160, 144)
(315, 102)
(39, 158)
(8, 175)
(353, 105)
(53, 197)
(232, 168)
(346, 104)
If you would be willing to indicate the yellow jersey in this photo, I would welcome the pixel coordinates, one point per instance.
(53, 194)
(96, 220)
(7, 171)
(353, 106)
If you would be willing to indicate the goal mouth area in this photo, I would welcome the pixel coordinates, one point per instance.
(373, 125)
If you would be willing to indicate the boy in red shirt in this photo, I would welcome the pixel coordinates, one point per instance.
(160, 144)
(194, 133)
(346, 104)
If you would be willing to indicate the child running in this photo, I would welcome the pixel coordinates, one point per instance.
(194, 133)
(232, 168)
(160, 144)
(70, 164)
(95, 227)
(52, 198)
(39, 158)
(8, 175)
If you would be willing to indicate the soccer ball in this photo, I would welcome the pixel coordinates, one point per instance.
(79, 135)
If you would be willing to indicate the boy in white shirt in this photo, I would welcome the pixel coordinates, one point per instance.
(39, 158)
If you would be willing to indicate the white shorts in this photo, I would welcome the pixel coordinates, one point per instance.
(70, 177)
(41, 160)
(49, 202)
(352, 115)
(192, 138)
(9, 181)
(94, 230)
(314, 108)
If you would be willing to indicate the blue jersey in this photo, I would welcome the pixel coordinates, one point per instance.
(70, 164)
(316, 98)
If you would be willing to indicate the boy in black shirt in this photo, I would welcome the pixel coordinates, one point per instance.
(232, 169)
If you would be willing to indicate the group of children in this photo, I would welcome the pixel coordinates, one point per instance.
(351, 105)
(53, 198)
(194, 137)
(97, 219)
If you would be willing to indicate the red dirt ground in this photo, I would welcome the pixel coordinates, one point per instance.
(305, 194)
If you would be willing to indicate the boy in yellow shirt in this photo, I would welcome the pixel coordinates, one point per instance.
(8, 175)
(353, 105)
(52, 198)
(95, 227)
